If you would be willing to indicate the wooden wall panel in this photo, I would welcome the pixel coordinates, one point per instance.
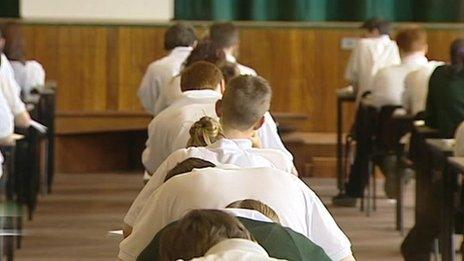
(98, 68)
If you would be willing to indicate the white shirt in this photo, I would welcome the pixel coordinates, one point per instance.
(157, 78)
(225, 151)
(169, 130)
(29, 75)
(459, 141)
(296, 205)
(244, 70)
(6, 123)
(236, 249)
(368, 57)
(417, 87)
(389, 83)
(10, 87)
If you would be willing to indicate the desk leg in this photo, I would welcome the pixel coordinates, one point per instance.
(340, 176)
(447, 226)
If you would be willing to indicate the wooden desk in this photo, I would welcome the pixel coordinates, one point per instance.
(341, 99)
(440, 150)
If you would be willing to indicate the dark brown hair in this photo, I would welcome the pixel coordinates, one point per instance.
(198, 231)
(225, 35)
(180, 34)
(15, 43)
(229, 70)
(188, 165)
(200, 75)
(457, 55)
(411, 39)
(206, 51)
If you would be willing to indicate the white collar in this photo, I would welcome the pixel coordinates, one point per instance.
(181, 50)
(247, 213)
(230, 58)
(243, 144)
(200, 94)
(415, 59)
(237, 244)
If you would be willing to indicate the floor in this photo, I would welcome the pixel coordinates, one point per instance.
(73, 222)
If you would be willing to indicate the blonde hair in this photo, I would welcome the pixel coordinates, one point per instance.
(258, 206)
(204, 132)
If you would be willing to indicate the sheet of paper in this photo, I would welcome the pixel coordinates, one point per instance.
(41, 128)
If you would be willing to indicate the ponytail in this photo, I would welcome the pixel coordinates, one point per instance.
(205, 132)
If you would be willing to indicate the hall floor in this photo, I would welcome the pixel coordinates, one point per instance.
(73, 222)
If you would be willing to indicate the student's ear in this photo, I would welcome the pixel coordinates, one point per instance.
(219, 108)
(258, 124)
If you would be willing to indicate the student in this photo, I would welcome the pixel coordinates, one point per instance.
(445, 98)
(29, 74)
(6, 125)
(388, 84)
(226, 36)
(213, 234)
(296, 205)
(373, 52)
(179, 41)
(6, 70)
(202, 84)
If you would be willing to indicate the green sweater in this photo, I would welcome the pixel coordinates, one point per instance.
(279, 242)
(445, 101)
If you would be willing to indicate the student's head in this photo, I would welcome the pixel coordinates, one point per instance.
(225, 35)
(244, 103)
(375, 27)
(178, 35)
(204, 132)
(14, 42)
(457, 54)
(412, 40)
(229, 71)
(198, 231)
(187, 166)
(202, 76)
(256, 205)
(207, 51)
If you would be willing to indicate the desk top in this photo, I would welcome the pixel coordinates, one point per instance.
(457, 162)
(442, 145)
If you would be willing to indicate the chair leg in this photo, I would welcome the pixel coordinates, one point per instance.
(374, 185)
(436, 251)
(400, 204)
(369, 190)
(19, 221)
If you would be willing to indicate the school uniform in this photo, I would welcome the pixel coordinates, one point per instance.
(238, 152)
(368, 57)
(416, 88)
(29, 75)
(6, 123)
(296, 205)
(157, 77)
(244, 70)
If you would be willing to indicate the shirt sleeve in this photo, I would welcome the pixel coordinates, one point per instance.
(352, 68)
(323, 230)
(270, 139)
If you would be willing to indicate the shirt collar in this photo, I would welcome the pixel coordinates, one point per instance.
(201, 94)
(247, 213)
(415, 59)
(181, 49)
(237, 244)
(243, 144)
(230, 58)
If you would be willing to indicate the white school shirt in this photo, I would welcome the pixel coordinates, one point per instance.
(417, 87)
(157, 78)
(11, 93)
(238, 152)
(244, 70)
(169, 130)
(297, 206)
(6, 123)
(388, 84)
(29, 75)
(236, 249)
(368, 57)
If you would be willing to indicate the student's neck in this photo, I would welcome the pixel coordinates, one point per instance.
(235, 134)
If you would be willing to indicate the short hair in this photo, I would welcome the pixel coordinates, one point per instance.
(411, 39)
(15, 43)
(457, 55)
(229, 71)
(180, 34)
(246, 99)
(198, 231)
(200, 76)
(204, 132)
(187, 166)
(224, 34)
(381, 25)
(256, 205)
(207, 51)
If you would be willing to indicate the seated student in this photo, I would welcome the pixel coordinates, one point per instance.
(373, 52)
(226, 36)
(388, 84)
(445, 99)
(296, 205)
(179, 41)
(29, 74)
(202, 84)
(6, 124)
(210, 235)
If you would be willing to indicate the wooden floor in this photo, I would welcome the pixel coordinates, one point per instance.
(73, 222)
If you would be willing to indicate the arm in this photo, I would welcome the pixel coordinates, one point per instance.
(148, 92)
